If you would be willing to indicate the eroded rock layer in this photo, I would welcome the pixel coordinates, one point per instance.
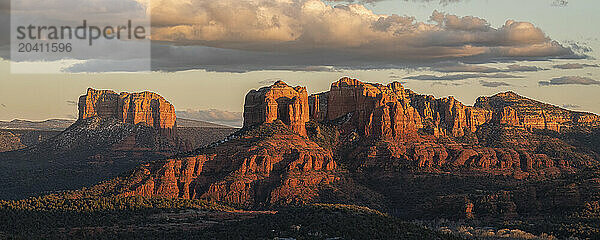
(278, 102)
(147, 108)
(376, 110)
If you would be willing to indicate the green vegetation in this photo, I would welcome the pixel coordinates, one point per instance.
(50, 216)
(323, 221)
(56, 217)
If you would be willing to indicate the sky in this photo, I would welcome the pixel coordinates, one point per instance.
(206, 55)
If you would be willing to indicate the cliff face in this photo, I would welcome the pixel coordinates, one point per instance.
(318, 106)
(278, 102)
(376, 110)
(145, 107)
(447, 116)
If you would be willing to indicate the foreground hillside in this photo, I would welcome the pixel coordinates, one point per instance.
(60, 217)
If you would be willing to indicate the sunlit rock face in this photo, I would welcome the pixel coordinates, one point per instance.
(147, 108)
(278, 102)
(378, 111)
(512, 109)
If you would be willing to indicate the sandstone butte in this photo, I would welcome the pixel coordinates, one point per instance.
(278, 102)
(146, 108)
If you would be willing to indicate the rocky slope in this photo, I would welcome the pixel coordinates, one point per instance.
(437, 158)
(265, 165)
(393, 123)
(16, 139)
(519, 111)
(379, 132)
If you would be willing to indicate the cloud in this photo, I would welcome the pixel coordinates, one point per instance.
(461, 77)
(213, 115)
(301, 33)
(269, 81)
(493, 84)
(571, 106)
(574, 66)
(453, 84)
(485, 69)
(521, 68)
(312, 35)
(395, 77)
(579, 47)
(570, 80)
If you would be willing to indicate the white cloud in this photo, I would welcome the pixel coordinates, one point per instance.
(311, 25)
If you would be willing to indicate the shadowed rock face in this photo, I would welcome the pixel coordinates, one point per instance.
(145, 107)
(278, 102)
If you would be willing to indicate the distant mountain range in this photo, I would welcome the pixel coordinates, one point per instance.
(47, 125)
(62, 124)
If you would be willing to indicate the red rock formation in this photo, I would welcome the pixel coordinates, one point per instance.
(448, 116)
(514, 110)
(251, 170)
(278, 102)
(387, 137)
(391, 112)
(377, 111)
(145, 107)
